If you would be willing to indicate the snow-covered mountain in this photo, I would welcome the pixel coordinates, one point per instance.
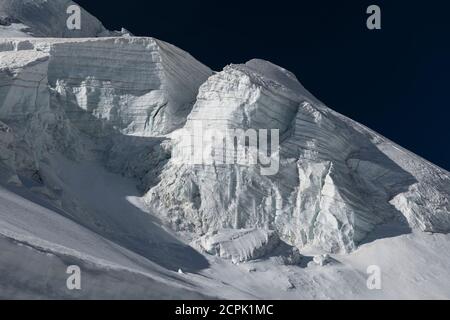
(45, 18)
(91, 124)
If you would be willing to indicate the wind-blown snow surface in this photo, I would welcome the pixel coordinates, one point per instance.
(89, 130)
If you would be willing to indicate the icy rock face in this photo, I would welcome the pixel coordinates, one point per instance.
(238, 245)
(43, 18)
(336, 180)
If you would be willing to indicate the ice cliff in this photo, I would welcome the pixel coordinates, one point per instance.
(95, 127)
(337, 179)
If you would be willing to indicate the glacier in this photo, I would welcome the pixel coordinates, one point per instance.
(91, 122)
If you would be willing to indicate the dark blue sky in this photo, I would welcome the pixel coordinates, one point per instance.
(395, 80)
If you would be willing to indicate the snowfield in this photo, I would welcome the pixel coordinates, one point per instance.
(90, 123)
